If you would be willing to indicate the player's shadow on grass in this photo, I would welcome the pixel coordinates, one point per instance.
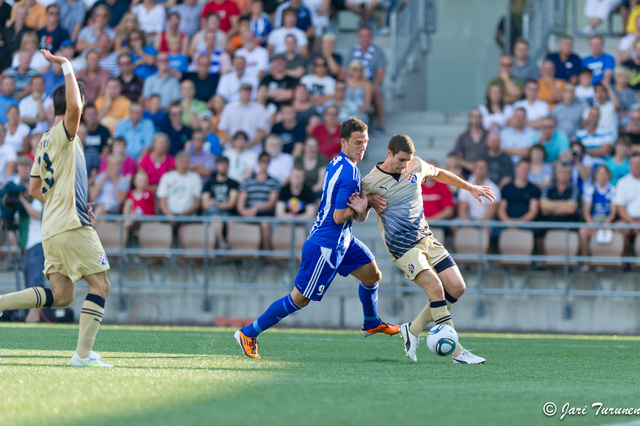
(378, 360)
(138, 367)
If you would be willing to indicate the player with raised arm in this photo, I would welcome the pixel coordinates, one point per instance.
(393, 189)
(330, 247)
(71, 246)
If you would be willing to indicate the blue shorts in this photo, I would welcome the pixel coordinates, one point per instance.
(320, 264)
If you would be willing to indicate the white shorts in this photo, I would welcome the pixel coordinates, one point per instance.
(600, 8)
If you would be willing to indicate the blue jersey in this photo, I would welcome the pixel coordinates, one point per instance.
(341, 179)
(601, 199)
(599, 66)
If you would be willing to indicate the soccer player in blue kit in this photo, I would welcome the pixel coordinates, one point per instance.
(330, 247)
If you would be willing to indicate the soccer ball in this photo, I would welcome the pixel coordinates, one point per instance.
(442, 340)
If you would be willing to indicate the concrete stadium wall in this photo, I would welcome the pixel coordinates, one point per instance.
(341, 308)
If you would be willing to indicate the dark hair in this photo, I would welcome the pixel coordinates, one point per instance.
(599, 85)
(51, 6)
(400, 142)
(623, 140)
(520, 109)
(586, 71)
(489, 101)
(60, 99)
(222, 159)
(264, 154)
(538, 146)
(579, 144)
(350, 126)
(119, 139)
(241, 134)
(170, 14)
(138, 32)
(524, 160)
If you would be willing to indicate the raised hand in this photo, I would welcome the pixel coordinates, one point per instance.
(53, 58)
(478, 191)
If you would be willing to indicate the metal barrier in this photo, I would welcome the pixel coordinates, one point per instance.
(410, 25)
(368, 232)
(541, 19)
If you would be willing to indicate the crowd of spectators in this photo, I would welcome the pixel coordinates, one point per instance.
(225, 107)
(559, 142)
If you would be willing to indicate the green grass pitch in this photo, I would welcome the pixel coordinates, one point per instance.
(197, 376)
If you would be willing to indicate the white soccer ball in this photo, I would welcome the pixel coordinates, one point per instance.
(442, 340)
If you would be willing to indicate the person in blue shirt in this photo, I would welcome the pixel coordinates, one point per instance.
(330, 247)
(7, 87)
(602, 64)
(137, 130)
(554, 141)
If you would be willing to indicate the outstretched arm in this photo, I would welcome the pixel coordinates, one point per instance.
(72, 94)
(477, 191)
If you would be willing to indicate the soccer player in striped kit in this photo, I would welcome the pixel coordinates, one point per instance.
(71, 246)
(393, 188)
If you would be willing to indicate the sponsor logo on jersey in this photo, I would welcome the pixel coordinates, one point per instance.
(102, 259)
(411, 268)
(413, 178)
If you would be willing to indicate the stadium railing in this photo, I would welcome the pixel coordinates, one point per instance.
(541, 20)
(484, 262)
(409, 27)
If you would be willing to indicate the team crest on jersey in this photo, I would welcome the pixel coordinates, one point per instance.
(102, 260)
(411, 268)
(413, 178)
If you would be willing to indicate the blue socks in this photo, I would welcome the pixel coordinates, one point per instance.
(273, 315)
(369, 300)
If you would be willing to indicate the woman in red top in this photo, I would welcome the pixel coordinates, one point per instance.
(140, 200)
(228, 12)
(162, 43)
(328, 133)
(158, 161)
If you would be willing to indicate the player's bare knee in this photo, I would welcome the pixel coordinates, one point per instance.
(373, 278)
(460, 287)
(62, 300)
(104, 288)
(456, 288)
(304, 302)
